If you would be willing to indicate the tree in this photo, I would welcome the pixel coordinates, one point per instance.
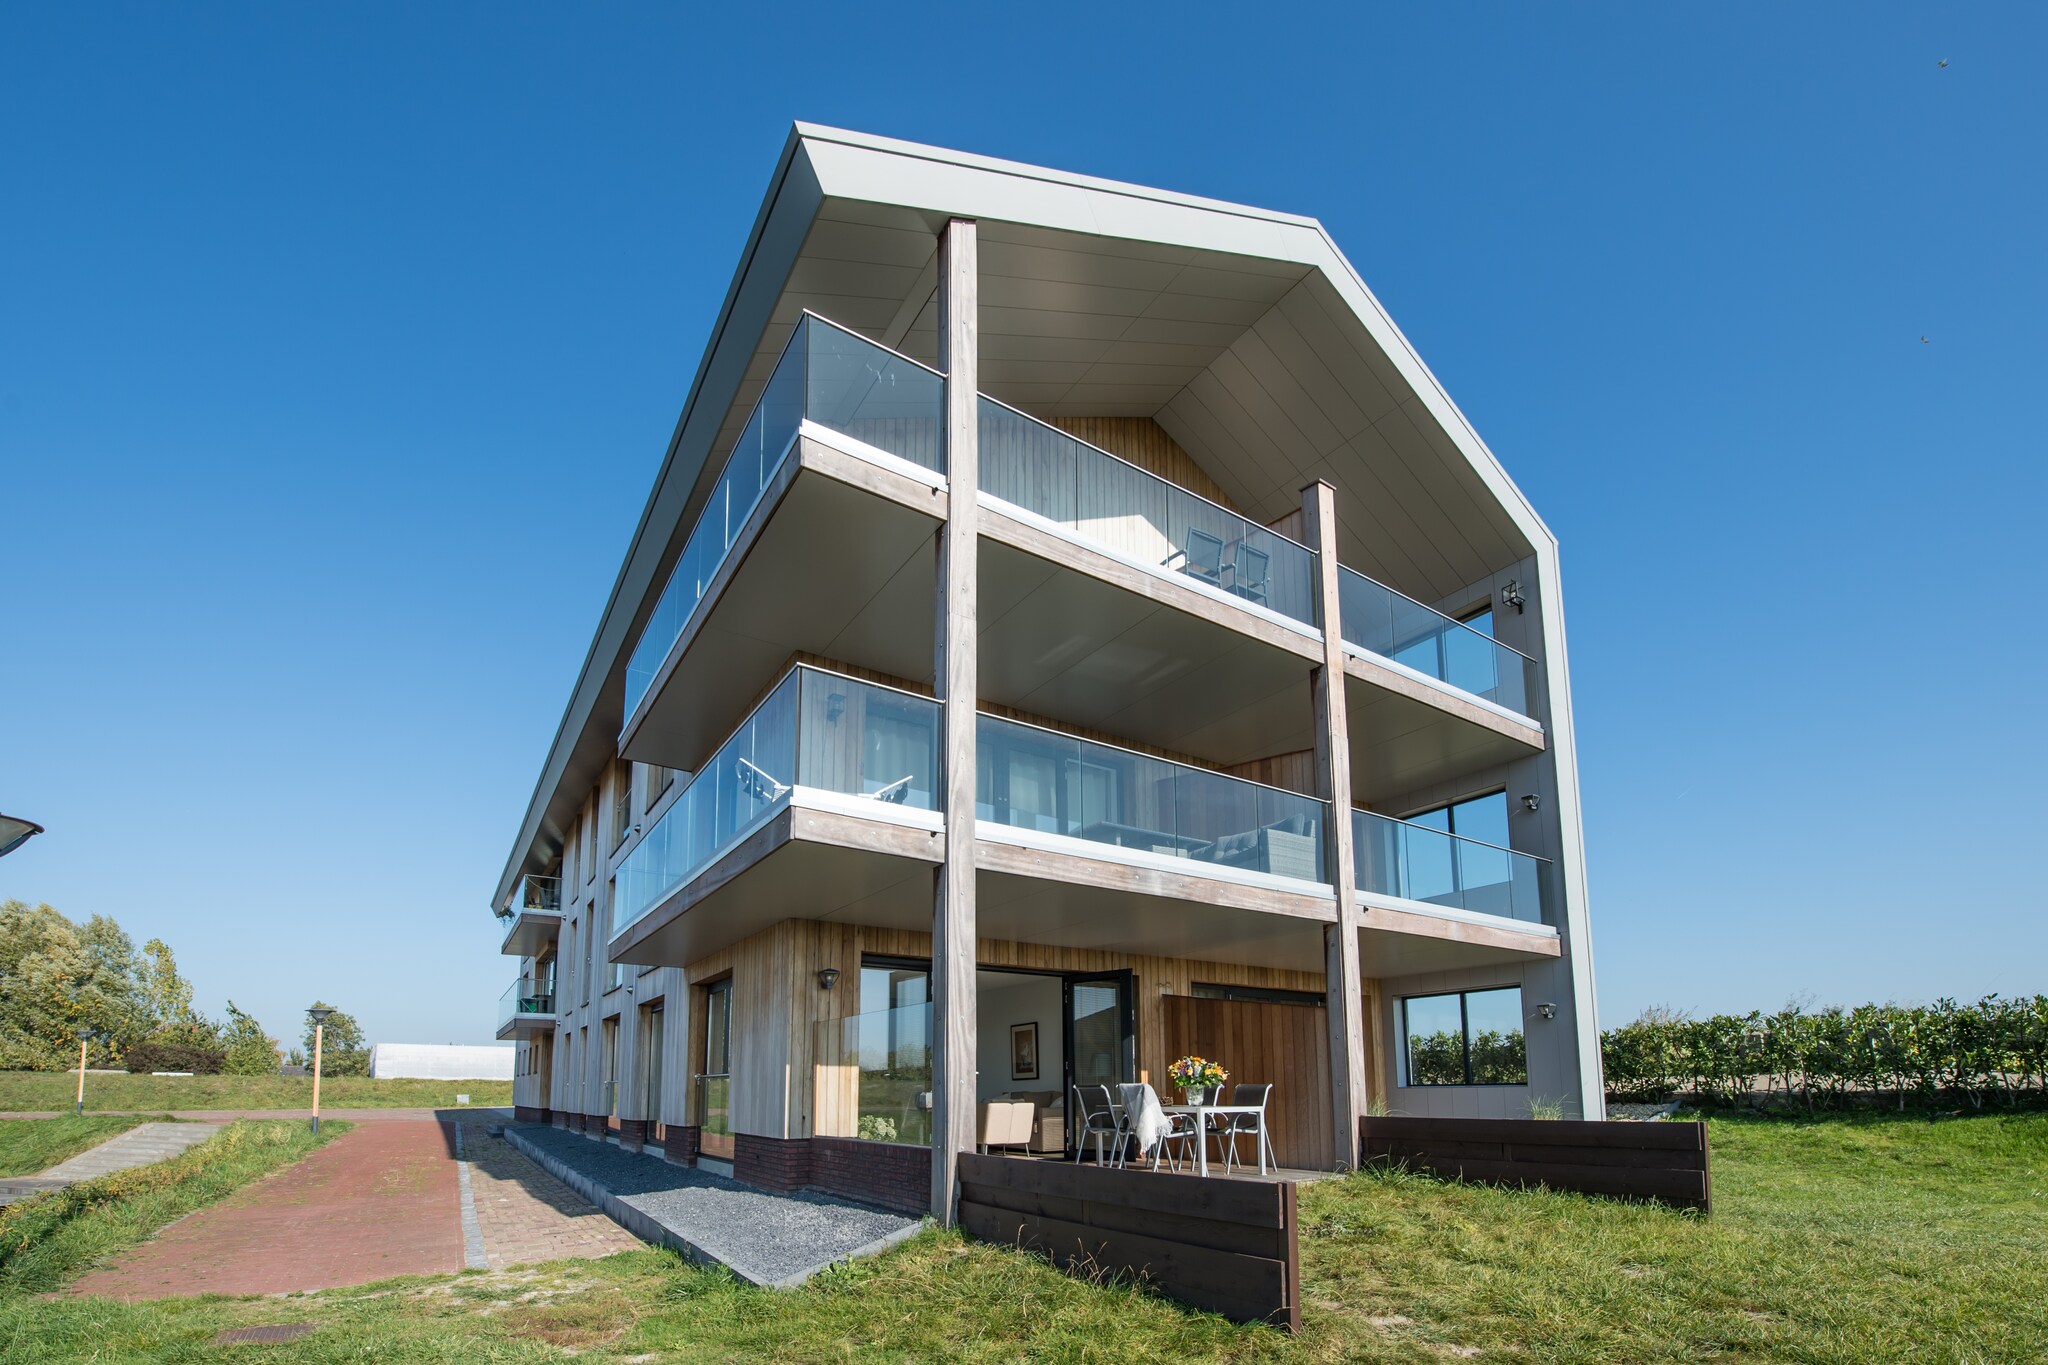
(250, 1051)
(166, 995)
(56, 978)
(342, 1051)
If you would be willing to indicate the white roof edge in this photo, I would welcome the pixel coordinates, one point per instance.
(1065, 201)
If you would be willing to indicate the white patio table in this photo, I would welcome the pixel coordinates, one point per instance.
(1199, 1113)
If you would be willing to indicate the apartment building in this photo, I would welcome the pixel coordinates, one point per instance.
(1071, 628)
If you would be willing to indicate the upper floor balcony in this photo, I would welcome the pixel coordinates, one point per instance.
(1109, 597)
(533, 917)
(527, 1006)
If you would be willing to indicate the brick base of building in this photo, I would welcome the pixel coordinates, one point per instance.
(632, 1132)
(884, 1174)
(526, 1113)
(779, 1164)
(680, 1144)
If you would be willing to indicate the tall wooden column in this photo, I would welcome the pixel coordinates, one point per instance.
(953, 993)
(1344, 986)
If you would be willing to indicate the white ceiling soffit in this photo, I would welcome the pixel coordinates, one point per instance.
(1243, 332)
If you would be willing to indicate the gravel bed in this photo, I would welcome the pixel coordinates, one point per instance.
(770, 1239)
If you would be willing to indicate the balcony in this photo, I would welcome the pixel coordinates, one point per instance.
(533, 917)
(1115, 599)
(817, 536)
(1411, 862)
(1394, 626)
(526, 1007)
(828, 783)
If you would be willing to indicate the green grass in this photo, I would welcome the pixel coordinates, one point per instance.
(47, 1239)
(1832, 1241)
(37, 1091)
(31, 1145)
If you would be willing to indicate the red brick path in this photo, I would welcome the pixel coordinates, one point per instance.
(380, 1200)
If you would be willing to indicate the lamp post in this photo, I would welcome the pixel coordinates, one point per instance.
(85, 1037)
(318, 1014)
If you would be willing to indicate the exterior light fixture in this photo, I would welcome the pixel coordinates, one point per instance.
(14, 832)
(835, 705)
(828, 977)
(1511, 595)
(1547, 1010)
(318, 1014)
(1533, 802)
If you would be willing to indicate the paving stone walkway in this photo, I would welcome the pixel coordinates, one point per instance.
(776, 1240)
(142, 1145)
(526, 1215)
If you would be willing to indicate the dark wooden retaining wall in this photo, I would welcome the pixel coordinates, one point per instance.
(1228, 1246)
(1662, 1161)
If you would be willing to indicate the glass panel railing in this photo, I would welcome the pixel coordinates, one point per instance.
(526, 996)
(1395, 626)
(872, 1076)
(1416, 863)
(1140, 515)
(815, 729)
(714, 1105)
(832, 377)
(541, 894)
(1041, 780)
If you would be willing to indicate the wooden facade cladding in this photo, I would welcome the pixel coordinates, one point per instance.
(1287, 1046)
(1145, 444)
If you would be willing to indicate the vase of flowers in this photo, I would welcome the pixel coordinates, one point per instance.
(1197, 1077)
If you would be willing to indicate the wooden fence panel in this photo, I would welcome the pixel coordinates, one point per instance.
(1667, 1162)
(1286, 1045)
(1227, 1246)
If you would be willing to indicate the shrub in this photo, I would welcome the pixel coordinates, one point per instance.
(159, 1052)
(1992, 1052)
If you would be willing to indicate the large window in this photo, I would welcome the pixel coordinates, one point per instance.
(1441, 870)
(1464, 1038)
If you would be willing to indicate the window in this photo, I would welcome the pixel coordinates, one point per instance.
(1204, 990)
(622, 804)
(1443, 869)
(1464, 1038)
(655, 781)
(611, 908)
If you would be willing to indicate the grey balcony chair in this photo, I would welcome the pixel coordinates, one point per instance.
(1250, 574)
(1203, 557)
(1229, 1127)
(1096, 1117)
(1142, 1110)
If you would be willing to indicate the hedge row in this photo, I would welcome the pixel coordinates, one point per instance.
(1995, 1051)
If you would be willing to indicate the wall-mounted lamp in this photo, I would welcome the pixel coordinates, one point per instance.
(828, 977)
(835, 705)
(1511, 594)
(1532, 802)
(1547, 1010)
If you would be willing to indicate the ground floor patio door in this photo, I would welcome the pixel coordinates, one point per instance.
(1101, 1036)
(714, 1083)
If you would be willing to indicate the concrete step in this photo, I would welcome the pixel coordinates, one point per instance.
(143, 1145)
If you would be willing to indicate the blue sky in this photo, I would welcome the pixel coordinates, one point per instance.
(338, 350)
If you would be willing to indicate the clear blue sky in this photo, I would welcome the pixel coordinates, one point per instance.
(338, 350)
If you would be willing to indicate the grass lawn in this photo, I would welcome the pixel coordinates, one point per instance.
(31, 1145)
(1832, 1241)
(36, 1091)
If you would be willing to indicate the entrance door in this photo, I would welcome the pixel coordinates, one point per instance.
(714, 1084)
(1102, 1045)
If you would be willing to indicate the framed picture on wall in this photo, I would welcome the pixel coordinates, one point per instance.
(1023, 1052)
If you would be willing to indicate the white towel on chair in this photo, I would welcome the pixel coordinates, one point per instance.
(1143, 1118)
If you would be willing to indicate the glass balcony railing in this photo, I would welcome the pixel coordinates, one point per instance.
(1395, 626)
(526, 996)
(542, 895)
(816, 729)
(1417, 863)
(872, 1076)
(1140, 515)
(1041, 780)
(829, 376)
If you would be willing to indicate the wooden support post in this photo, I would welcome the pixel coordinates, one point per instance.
(1344, 987)
(953, 926)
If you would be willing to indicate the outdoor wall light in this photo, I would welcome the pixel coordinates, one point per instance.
(1511, 594)
(828, 977)
(1533, 802)
(835, 705)
(1547, 1010)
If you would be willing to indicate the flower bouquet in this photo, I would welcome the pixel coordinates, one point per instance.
(1197, 1076)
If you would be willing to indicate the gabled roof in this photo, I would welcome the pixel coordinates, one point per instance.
(1243, 332)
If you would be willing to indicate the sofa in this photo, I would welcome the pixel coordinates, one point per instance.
(1286, 848)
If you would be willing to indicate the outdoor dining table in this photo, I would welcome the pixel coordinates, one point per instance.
(1199, 1113)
